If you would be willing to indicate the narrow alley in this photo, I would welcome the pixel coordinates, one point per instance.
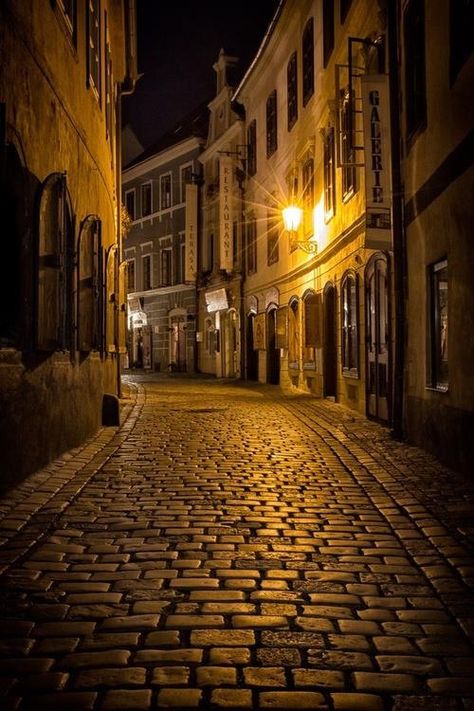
(232, 547)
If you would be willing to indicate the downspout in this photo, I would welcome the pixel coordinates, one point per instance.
(126, 87)
(399, 254)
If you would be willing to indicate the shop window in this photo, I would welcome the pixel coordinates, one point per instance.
(308, 61)
(90, 286)
(272, 142)
(328, 29)
(252, 148)
(438, 325)
(146, 272)
(350, 326)
(165, 191)
(329, 175)
(415, 73)
(292, 91)
(93, 39)
(251, 246)
(461, 36)
(272, 238)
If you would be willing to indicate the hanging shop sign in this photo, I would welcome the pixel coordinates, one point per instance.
(226, 177)
(216, 300)
(259, 332)
(191, 229)
(378, 184)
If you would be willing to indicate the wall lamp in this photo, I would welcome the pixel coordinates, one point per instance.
(292, 219)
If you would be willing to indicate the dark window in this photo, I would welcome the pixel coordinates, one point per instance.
(251, 246)
(415, 75)
(130, 203)
(345, 7)
(89, 287)
(146, 264)
(131, 275)
(329, 175)
(182, 263)
(347, 150)
(308, 197)
(308, 61)
(438, 326)
(146, 199)
(461, 35)
(272, 123)
(252, 148)
(328, 29)
(165, 267)
(165, 191)
(272, 239)
(93, 38)
(67, 10)
(292, 85)
(350, 326)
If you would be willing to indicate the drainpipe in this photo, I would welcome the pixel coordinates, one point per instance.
(399, 253)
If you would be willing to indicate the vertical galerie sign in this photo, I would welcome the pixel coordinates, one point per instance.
(378, 183)
(225, 210)
(191, 229)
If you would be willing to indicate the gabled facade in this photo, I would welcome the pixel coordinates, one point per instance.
(160, 191)
(63, 68)
(220, 252)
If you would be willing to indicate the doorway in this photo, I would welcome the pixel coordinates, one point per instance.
(273, 353)
(330, 342)
(377, 338)
(252, 354)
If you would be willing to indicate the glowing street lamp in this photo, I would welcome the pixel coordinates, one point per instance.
(292, 219)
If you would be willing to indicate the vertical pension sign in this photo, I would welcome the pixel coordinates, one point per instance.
(378, 182)
(226, 177)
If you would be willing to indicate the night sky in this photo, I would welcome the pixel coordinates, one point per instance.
(178, 42)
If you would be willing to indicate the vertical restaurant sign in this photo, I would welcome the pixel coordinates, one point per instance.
(225, 210)
(378, 183)
(191, 229)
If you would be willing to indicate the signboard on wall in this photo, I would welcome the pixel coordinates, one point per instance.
(191, 230)
(226, 178)
(216, 300)
(378, 183)
(259, 340)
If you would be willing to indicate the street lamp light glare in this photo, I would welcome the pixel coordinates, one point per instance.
(292, 218)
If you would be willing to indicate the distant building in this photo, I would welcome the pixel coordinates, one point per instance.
(160, 193)
(63, 67)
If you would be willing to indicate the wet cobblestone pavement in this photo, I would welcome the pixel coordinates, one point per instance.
(231, 547)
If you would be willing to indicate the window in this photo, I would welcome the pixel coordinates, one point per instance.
(182, 263)
(130, 203)
(292, 87)
(293, 335)
(89, 303)
(308, 61)
(146, 272)
(312, 327)
(329, 175)
(67, 9)
(272, 123)
(350, 330)
(165, 267)
(93, 33)
(252, 148)
(109, 92)
(461, 37)
(348, 167)
(438, 326)
(186, 178)
(272, 238)
(165, 191)
(251, 246)
(146, 199)
(308, 197)
(328, 29)
(415, 79)
(131, 274)
(345, 7)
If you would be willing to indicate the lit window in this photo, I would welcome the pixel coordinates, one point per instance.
(182, 263)
(350, 326)
(308, 61)
(292, 88)
(438, 326)
(93, 32)
(272, 123)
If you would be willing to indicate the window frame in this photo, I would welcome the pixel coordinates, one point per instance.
(435, 381)
(272, 123)
(307, 174)
(349, 174)
(252, 148)
(143, 189)
(147, 274)
(166, 266)
(308, 60)
(131, 269)
(94, 49)
(166, 196)
(292, 90)
(350, 325)
(329, 162)
(461, 22)
(131, 192)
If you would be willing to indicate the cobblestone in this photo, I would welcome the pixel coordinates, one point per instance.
(274, 552)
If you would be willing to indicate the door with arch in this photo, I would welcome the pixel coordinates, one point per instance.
(252, 354)
(273, 353)
(330, 342)
(377, 338)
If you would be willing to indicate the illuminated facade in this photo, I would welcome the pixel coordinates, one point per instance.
(64, 66)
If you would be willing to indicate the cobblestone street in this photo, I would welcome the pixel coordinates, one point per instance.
(232, 547)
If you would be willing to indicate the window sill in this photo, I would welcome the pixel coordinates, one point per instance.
(351, 373)
(437, 388)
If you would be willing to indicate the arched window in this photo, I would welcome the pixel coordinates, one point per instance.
(89, 292)
(350, 325)
(55, 323)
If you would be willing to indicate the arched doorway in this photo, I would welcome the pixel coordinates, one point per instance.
(330, 342)
(273, 353)
(377, 338)
(252, 354)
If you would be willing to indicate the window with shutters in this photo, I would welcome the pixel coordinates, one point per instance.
(350, 326)
(308, 61)
(89, 306)
(272, 143)
(252, 148)
(109, 85)
(312, 329)
(292, 91)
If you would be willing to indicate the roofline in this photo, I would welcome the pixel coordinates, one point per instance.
(177, 148)
(261, 49)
